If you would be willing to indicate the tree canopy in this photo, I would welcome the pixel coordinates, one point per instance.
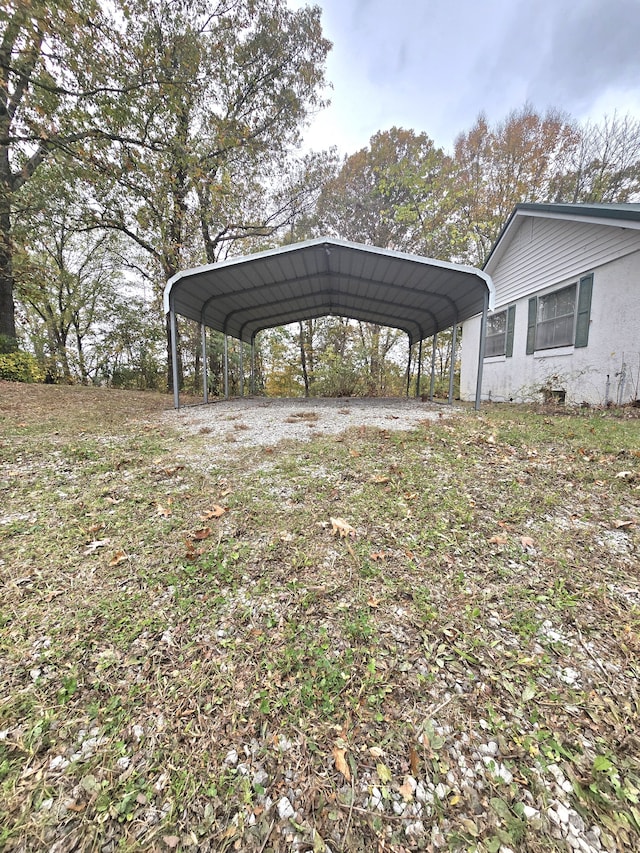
(140, 137)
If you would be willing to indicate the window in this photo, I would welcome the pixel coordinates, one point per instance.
(496, 334)
(555, 319)
(499, 339)
(560, 318)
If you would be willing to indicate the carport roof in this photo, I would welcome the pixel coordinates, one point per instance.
(321, 277)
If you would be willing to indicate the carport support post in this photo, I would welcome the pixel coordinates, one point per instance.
(226, 367)
(419, 368)
(452, 368)
(241, 362)
(409, 367)
(205, 371)
(253, 366)
(174, 355)
(481, 350)
(433, 367)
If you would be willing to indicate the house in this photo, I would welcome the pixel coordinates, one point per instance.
(566, 317)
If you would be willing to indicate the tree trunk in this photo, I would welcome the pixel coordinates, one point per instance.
(169, 357)
(7, 307)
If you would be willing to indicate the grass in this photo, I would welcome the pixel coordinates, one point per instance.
(170, 675)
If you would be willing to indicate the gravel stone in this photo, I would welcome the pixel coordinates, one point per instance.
(231, 757)
(285, 809)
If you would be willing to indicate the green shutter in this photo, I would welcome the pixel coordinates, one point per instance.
(584, 310)
(531, 325)
(511, 322)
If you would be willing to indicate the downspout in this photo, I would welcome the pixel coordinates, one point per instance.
(481, 350)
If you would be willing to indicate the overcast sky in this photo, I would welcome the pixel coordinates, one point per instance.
(433, 65)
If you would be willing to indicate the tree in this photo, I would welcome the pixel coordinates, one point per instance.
(603, 165)
(54, 68)
(390, 194)
(495, 168)
(65, 277)
(233, 82)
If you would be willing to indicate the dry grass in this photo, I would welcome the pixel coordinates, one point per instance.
(309, 417)
(183, 650)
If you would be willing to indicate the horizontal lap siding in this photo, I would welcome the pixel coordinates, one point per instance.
(546, 252)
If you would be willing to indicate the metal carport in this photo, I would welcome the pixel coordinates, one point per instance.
(328, 277)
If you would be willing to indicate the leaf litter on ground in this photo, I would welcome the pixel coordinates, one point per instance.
(479, 689)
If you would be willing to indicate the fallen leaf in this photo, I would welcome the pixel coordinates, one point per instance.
(164, 511)
(172, 841)
(354, 453)
(624, 475)
(318, 842)
(342, 527)
(95, 527)
(376, 751)
(93, 546)
(111, 500)
(215, 512)
(341, 763)
(410, 496)
(118, 557)
(501, 539)
(406, 791)
(527, 543)
(285, 536)
(171, 471)
(383, 772)
(379, 479)
(203, 533)
(55, 593)
(622, 525)
(414, 760)
(377, 555)
(192, 552)
(373, 602)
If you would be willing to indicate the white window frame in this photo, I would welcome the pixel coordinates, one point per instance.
(493, 336)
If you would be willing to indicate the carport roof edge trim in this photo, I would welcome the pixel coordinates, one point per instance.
(327, 242)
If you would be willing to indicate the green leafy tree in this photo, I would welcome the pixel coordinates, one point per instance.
(232, 85)
(66, 278)
(55, 67)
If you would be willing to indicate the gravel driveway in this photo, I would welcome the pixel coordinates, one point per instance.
(254, 421)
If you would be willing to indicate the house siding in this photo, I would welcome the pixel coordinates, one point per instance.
(545, 252)
(544, 256)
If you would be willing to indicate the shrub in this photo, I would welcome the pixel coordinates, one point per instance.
(7, 344)
(20, 367)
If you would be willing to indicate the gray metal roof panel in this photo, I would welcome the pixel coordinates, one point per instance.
(240, 296)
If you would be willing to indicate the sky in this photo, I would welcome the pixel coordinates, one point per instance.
(434, 65)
